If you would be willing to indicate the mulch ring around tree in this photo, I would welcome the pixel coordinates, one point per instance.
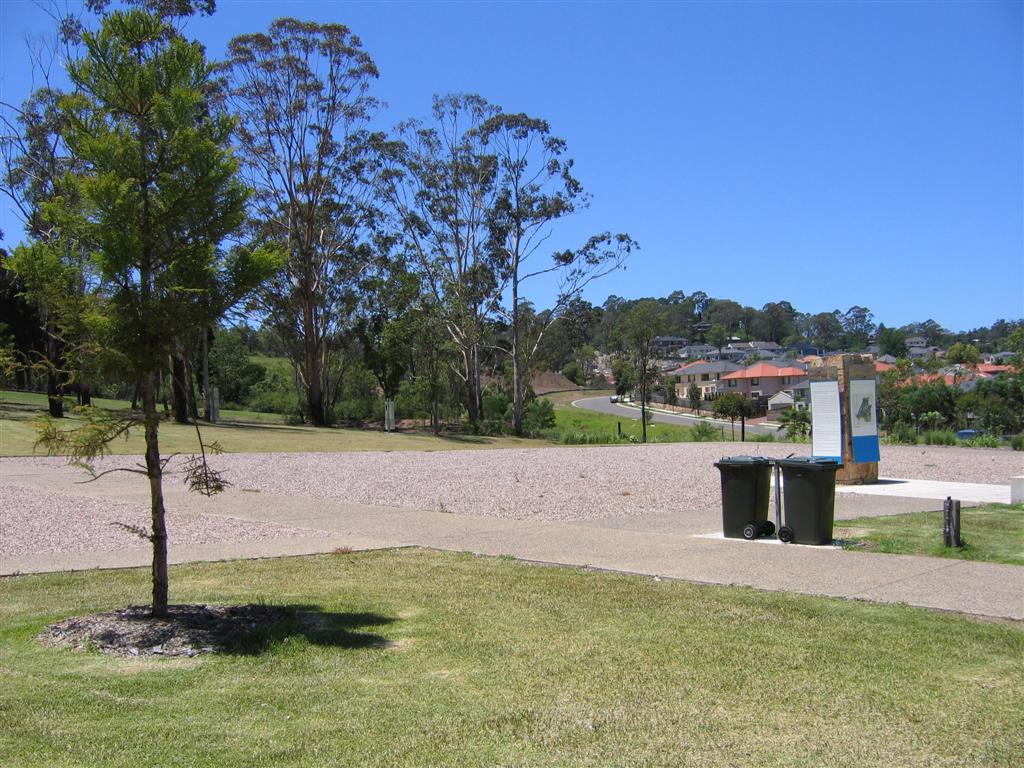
(188, 630)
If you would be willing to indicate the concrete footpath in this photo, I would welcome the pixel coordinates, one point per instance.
(682, 546)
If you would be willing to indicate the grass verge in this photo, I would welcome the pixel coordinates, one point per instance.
(238, 432)
(429, 659)
(578, 426)
(993, 533)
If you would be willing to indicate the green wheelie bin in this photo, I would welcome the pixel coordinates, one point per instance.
(809, 495)
(746, 484)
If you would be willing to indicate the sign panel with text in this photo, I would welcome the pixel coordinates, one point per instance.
(826, 421)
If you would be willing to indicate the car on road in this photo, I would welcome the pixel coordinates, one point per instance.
(613, 399)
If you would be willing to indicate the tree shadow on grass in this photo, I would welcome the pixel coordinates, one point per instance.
(317, 627)
(192, 630)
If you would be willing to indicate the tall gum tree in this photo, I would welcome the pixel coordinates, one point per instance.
(159, 191)
(644, 322)
(439, 180)
(300, 92)
(536, 188)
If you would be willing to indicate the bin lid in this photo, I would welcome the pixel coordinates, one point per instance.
(742, 461)
(808, 462)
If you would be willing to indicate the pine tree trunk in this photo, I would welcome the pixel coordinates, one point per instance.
(156, 493)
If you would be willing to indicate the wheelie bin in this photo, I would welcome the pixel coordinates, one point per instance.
(809, 495)
(745, 488)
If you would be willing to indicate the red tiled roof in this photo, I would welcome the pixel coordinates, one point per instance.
(992, 368)
(881, 367)
(765, 371)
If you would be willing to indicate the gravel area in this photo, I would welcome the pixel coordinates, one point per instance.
(33, 522)
(540, 484)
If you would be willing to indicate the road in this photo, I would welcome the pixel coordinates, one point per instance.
(604, 405)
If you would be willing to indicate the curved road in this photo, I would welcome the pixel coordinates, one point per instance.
(604, 405)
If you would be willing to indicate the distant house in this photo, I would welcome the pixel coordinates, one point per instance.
(999, 358)
(766, 350)
(705, 374)
(762, 380)
(917, 353)
(916, 342)
(703, 352)
(667, 346)
(800, 351)
(780, 401)
(992, 369)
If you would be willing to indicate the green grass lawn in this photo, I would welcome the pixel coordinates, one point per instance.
(604, 427)
(436, 659)
(250, 431)
(993, 533)
(238, 432)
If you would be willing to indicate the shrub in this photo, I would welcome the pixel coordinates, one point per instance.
(901, 433)
(753, 438)
(274, 394)
(704, 433)
(983, 441)
(939, 437)
(591, 438)
(538, 415)
(1017, 442)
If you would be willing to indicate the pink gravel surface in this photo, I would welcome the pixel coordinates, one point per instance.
(559, 483)
(35, 522)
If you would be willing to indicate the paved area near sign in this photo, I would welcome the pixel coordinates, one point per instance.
(978, 493)
(668, 545)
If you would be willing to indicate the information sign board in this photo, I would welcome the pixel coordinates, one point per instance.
(863, 420)
(826, 421)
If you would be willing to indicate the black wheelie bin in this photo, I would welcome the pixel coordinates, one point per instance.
(809, 495)
(746, 482)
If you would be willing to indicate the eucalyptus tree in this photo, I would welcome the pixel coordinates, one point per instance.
(53, 264)
(641, 325)
(536, 188)
(389, 323)
(300, 92)
(158, 191)
(439, 179)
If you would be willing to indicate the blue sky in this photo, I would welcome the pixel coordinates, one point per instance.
(828, 154)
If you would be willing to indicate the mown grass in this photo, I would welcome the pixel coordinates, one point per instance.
(439, 659)
(251, 431)
(992, 533)
(238, 432)
(575, 425)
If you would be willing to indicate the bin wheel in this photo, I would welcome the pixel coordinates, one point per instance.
(749, 531)
(769, 528)
(785, 534)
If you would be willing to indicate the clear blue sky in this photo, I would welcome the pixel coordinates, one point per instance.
(826, 153)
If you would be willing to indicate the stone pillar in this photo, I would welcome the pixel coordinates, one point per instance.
(845, 368)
